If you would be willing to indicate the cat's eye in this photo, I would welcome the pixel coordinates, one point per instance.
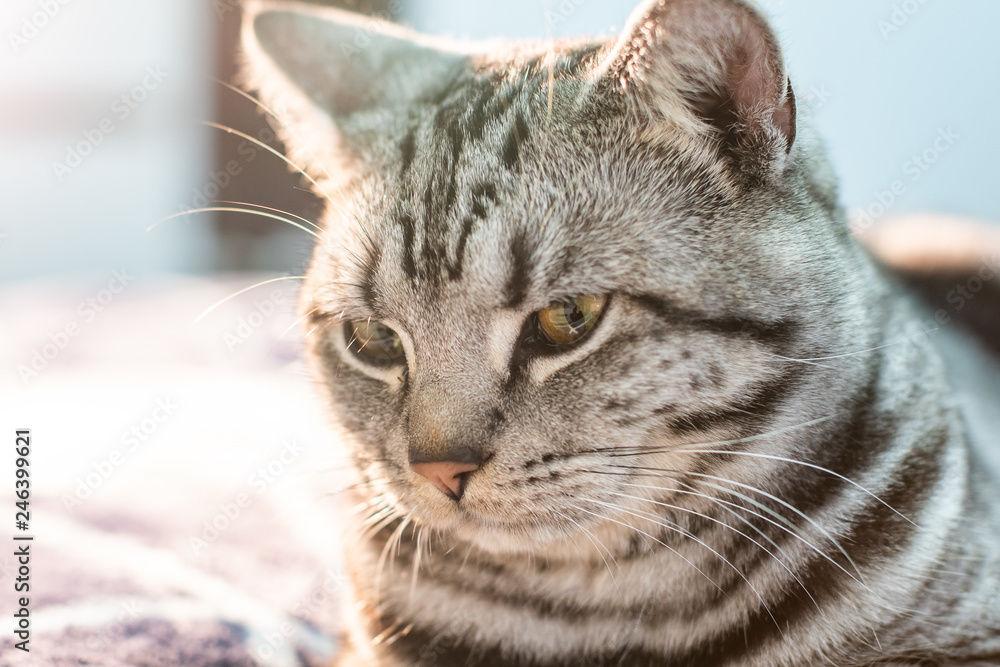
(374, 342)
(567, 322)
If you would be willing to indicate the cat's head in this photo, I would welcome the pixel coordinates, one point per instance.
(544, 269)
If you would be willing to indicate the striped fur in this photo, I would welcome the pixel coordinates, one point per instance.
(754, 459)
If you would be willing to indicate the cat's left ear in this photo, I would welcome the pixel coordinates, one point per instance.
(320, 67)
(711, 70)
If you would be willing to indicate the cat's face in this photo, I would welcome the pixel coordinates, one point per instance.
(557, 267)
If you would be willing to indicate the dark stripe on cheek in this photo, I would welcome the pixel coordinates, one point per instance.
(750, 411)
(519, 359)
(846, 447)
(875, 536)
(778, 335)
(875, 532)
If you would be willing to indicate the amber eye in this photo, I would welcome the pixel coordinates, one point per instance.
(566, 322)
(374, 342)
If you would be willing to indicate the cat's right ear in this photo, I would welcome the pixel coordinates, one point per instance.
(320, 67)
(709, 72)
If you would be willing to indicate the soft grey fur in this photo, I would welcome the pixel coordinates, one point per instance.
(608, 525)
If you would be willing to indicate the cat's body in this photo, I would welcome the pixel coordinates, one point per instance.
(752, 458)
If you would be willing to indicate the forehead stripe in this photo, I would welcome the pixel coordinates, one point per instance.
(518, 279)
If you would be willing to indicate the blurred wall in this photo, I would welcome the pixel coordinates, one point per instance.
(99, 135)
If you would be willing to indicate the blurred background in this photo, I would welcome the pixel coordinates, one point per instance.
(182, 465)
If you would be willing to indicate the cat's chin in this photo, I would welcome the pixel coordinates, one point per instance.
(507, 538)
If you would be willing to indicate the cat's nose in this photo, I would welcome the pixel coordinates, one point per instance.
(451, 475)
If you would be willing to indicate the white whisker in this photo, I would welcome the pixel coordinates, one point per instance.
(637, 450)
(323, 193)
(273, 115)
(667, 546)
(232, 209)
(384, 555)
(738, 532)
(804, 464)
(286, 331)
(211, 308)
(275, 210)
(659, 521)
(596, 541)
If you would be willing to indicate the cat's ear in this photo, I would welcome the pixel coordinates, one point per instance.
(347, 62)
(319, 67)
(712, 69)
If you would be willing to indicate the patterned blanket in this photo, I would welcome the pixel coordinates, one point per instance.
(182, 477)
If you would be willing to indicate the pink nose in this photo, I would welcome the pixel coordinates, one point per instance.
(448, 476)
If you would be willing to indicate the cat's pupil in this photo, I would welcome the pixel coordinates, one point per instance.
(567, 322)
(374, 342)
(575, 318)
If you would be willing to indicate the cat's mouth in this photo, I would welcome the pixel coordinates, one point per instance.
(490, 517)
(503, 504)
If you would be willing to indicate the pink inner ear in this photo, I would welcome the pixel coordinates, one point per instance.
(757, 88)
(721, 58)
(756, 85)
(784, 118)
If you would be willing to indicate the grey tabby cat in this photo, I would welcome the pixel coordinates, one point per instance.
(620, 387)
